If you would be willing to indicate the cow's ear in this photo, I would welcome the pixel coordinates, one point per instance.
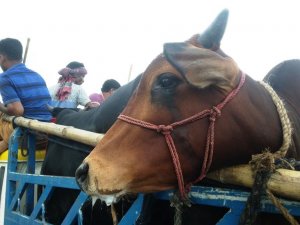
(202, 67)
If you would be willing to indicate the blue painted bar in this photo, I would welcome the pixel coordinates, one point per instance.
(12, 166)
(19, 192)
(67, 182)
(30, 170)
(14, 218)
(38, 206)
(133, 213)
(232, 199)
(75, 208)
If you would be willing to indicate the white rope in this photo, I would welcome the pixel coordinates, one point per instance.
(284, 119)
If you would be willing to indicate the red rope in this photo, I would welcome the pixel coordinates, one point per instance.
(166, 130)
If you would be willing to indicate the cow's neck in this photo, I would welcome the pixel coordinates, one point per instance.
(252, 124)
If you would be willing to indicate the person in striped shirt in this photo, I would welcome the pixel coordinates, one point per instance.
(24, 92)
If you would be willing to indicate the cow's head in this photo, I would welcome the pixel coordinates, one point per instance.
(187, 78)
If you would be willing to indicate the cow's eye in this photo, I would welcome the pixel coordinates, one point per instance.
(164, 89)
(167, 80)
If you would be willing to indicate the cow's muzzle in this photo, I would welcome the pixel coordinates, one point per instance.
(81, 175)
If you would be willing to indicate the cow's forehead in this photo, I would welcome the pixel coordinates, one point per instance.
(158, 66)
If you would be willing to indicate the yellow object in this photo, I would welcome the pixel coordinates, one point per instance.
(39, 156)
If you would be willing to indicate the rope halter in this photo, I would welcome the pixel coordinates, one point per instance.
(166, 130)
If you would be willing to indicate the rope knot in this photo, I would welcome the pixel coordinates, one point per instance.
(164, 129)
(214, 113)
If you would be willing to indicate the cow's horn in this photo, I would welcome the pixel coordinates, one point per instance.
(212, 36)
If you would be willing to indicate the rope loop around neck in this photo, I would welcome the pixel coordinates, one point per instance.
(284, 120)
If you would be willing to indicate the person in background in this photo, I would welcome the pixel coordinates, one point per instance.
(108, 87)
(68, 92)
(24, 92)
(96, 98)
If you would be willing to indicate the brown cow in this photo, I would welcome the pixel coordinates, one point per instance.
(213, 116)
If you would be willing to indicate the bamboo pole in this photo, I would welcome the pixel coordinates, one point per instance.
(130, 71)
(26, 50)
(68, 132)
(283, 182)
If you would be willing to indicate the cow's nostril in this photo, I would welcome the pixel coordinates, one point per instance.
(81, 173)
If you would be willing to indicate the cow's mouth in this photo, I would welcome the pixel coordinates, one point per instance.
(96, 191)
(107, 198)
(91, 185)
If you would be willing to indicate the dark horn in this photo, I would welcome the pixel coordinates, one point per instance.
(212, 36)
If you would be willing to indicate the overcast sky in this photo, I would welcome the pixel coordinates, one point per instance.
(109, 36)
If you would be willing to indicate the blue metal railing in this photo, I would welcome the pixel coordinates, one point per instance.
(19, 184)
(234, 200)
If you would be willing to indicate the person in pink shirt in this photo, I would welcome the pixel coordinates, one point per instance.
(96, 98)
(108, 87)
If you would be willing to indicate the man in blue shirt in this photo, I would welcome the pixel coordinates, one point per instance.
(24, 92)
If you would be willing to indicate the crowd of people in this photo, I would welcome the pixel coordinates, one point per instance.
(24, 92)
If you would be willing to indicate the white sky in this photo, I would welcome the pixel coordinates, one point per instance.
(109, 36)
